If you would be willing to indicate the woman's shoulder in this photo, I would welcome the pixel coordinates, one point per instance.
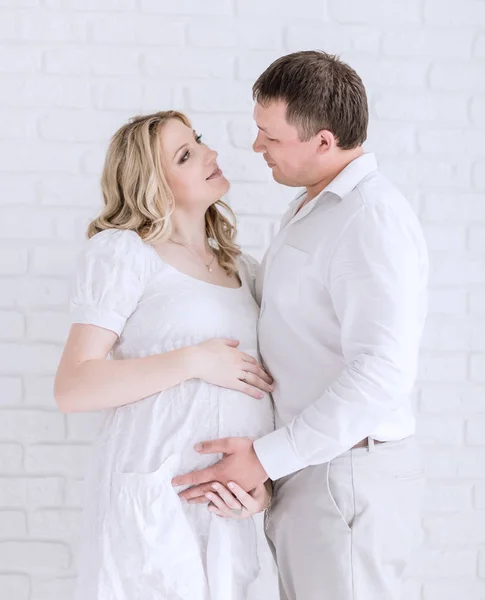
(248, 271)
(248, 264)
(115, 240)
(122, 249)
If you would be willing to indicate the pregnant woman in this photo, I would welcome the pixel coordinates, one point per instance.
(163, 291)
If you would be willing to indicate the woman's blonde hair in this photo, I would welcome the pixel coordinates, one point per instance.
(137, 196)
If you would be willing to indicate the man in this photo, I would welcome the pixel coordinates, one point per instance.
(343, 302)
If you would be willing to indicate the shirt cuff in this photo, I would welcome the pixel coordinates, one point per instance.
(93, 315)
(276, 454)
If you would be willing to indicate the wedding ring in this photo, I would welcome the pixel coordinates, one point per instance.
(245, 377)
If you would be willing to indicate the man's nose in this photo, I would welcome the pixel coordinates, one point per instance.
(258, 146)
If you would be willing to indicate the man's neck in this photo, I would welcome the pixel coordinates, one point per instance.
(330, 173)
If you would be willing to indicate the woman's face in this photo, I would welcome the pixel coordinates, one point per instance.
(190, 167)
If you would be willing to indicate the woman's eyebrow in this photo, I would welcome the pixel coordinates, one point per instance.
(183, 145)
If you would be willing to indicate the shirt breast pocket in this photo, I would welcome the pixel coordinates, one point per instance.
(284, 282)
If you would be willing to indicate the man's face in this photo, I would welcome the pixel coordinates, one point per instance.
(293, 162)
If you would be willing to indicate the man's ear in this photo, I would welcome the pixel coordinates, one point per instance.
(326, 141)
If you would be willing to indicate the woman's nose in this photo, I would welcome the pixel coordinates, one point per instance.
(211, 155)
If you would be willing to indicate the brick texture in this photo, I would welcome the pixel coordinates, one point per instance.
(74, 70)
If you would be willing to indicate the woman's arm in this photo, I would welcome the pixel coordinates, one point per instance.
(86, 381)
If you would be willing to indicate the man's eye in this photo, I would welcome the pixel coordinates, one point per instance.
(198, 138)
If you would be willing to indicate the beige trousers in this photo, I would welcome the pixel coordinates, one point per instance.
(345, 530)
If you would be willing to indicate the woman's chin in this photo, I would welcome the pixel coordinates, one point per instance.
(218, 190)
(222, 185)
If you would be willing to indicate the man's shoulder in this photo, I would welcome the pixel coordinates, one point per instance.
(377, 193)
(377, 189)
(380, 209)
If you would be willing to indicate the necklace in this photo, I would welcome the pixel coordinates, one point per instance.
(208, 265)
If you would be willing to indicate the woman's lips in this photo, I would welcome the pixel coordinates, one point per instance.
(217, 173)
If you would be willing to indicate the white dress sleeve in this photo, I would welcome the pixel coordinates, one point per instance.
(109, 280)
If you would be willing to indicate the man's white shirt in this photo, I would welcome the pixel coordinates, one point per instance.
(343, 303)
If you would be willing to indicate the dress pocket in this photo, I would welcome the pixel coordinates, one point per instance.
(153, 552)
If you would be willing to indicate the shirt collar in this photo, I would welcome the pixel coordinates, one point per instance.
(344, 183)
(352, 175)
(296, 201)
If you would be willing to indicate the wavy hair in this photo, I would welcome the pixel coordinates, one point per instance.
(137, 196)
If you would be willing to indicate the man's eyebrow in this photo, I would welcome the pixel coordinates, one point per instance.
(268, 135)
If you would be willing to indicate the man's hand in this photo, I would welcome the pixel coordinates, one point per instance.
(240, 464)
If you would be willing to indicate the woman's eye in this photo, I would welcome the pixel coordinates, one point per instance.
(186, 156)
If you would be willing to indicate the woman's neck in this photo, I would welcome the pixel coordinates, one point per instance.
(190, 230)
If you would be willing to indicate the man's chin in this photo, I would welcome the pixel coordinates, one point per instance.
(279, 178)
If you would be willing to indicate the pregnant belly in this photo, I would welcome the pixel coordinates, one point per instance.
(143, 434)
(241, 415)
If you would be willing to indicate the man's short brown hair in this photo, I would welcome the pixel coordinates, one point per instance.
(321, 92)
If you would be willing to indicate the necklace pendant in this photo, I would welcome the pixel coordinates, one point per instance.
(210, 269)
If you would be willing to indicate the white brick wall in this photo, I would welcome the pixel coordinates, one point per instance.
(73, 70)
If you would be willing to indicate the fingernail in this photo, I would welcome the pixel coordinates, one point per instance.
(209, 495)
(231, 485)
(261, 396)
(215, 486)
(198, 447)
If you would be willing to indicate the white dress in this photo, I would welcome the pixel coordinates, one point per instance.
(140, 541)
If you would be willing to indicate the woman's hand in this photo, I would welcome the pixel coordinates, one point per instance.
(219, 362)
(235, 503)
